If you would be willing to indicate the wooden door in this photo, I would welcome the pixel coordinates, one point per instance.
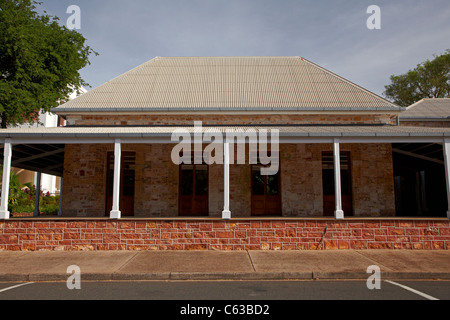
(193, 190)
(127, 183)
(266, 193)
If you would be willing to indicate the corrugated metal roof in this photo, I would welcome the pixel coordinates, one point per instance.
(227, 83)
(437, 108)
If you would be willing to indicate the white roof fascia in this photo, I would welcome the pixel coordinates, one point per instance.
(282, 140)
(261, 110)
(305, 134)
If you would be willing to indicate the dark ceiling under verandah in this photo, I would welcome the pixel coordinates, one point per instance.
(49, 158)
(44, 158)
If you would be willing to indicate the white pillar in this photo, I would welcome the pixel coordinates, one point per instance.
(447, 171)
(115, 212)
(338, 213)
(7, 151)
(226, 214)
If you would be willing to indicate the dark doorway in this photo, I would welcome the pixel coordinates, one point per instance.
(127, 183)
(419, 180)
(266, 193)
(329, 197)
(193, 190)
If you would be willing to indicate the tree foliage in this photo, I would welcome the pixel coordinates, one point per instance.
(39, 61)
(430, 79)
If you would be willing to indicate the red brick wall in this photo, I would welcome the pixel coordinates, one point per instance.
(313, 234)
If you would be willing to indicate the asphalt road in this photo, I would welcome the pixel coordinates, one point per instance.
(227, 290)
(221, 299)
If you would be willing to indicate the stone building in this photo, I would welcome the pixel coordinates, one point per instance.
(313, 110)
(330, 141)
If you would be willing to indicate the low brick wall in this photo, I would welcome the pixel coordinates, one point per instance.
(216, 234)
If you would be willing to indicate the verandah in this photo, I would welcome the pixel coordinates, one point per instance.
(119, 138)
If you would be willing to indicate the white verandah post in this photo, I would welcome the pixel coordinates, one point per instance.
(7, 152)
(446, 148)
(338, 213)
(115, 212)
(226, 213)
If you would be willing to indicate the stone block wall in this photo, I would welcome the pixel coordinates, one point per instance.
(215, 234)
(231, 119)
(371, 174)
(84, 183)
(421, 123)
(84, 180)
(156, 187)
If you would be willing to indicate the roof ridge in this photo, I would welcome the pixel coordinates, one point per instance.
(200, 57)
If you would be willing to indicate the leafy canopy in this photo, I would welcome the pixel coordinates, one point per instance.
(430, 79)
(39, 61)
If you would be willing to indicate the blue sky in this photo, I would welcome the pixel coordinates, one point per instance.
(332, 34)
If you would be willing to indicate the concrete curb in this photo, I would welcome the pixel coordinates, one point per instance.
(140, 276)
(241, 276)
(14, 277)
(384, 276)
(415, 275)
(224, 276)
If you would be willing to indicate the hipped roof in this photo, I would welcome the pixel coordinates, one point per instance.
(428, 108)
(192, 84)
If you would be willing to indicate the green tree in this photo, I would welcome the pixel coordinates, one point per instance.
(39, 61)
(430, 79)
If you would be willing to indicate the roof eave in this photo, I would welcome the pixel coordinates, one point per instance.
(311, 110)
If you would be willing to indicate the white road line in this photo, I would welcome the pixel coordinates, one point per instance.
(16, 286)
(412, 290)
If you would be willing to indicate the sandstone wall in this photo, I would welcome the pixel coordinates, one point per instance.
(158, 234)
(232, 119)
(156, 186)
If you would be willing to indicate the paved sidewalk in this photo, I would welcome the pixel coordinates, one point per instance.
(224, 265)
